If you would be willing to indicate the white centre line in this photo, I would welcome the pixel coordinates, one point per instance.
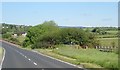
(25, 56)
(28, 59)
(35, 63)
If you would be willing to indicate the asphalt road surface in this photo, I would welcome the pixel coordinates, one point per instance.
(19, 58)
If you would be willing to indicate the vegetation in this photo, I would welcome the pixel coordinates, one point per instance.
(90, 56)
(67, 43)
(1, 51)
(93, 57)
(11, 28)
(108, 42)
(8, 30)
(48, 34)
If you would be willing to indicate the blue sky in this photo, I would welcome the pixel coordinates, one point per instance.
(63, 13)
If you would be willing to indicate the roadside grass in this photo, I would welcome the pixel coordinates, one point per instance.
(51, 53)
(88, 58)
(0, 54)
(108, 41)
(104, 59)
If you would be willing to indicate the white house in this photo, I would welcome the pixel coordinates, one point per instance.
(24, 34)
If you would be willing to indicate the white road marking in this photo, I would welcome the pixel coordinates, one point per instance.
(25, 56)
(17, 52)
(35, 63)
(57, 59)
(28, 59)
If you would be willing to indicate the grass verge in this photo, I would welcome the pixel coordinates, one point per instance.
(50, 52)
(1, 51)
(88, 58)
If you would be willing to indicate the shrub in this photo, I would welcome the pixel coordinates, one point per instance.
(6, 35)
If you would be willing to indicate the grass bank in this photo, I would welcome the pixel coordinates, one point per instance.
(1, 51)
(89, 58)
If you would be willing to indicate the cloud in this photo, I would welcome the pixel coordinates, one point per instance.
(107, 19)
(86, 14)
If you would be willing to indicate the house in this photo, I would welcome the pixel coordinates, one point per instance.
(15, 35)
(24, 34)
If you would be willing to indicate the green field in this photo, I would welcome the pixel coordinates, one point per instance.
(108, 41)
(86, 56)
(112, 32)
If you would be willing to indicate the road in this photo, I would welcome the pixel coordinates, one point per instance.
(19, 58)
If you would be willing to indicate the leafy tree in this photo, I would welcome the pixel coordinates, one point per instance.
(99, 31)
(48, 34)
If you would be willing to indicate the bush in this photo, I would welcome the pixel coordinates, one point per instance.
(14, 40)
(42, 44)
(6, 35)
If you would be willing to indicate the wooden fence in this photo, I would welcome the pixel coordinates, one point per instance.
(105, 49)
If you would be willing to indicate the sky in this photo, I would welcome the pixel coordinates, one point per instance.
(63, 13)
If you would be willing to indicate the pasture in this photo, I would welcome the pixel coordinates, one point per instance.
(108, 41)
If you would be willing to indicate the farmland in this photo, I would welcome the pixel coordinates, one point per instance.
(108, 41)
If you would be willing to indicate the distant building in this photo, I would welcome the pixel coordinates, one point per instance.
(24, 34)
(14, 35)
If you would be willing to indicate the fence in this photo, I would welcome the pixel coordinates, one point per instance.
(105, 49)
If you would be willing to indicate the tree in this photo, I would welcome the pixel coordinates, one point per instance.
(99, 31)
(48, 34)
(39, 33)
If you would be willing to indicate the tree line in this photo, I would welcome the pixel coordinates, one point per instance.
(48, 34)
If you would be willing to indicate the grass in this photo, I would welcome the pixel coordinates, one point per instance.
(0, 54)
(50, 53)
(108, 41)
(67, 59)
(104, 59)
(107, 36)
(112, 32)
(89, 58)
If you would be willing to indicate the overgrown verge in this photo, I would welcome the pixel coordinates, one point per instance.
(1, 54)
(88, 58)
(50, 52)
(13, 40)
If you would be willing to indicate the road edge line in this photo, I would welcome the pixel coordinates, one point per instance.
(57, 59)
(3, 57)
